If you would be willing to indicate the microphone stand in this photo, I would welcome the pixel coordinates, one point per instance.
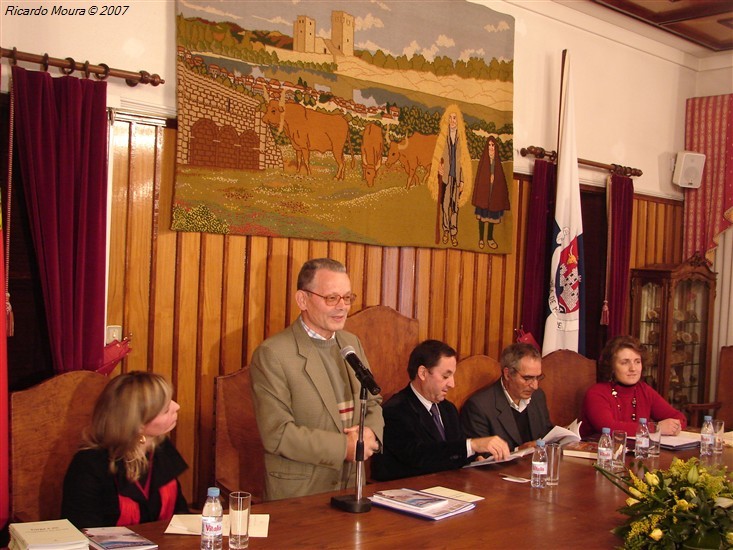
(356, 504)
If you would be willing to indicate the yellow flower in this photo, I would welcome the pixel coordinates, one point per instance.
(652, 480)
(631, 501)
(634, 491)
(693, 474)
(682, 505)
(729, 537)
(656, 534)
(723, 502)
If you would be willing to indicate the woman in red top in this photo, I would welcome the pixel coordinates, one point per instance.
(620, 403)
(127, 471)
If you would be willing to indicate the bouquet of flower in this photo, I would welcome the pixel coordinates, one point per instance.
(686, 506)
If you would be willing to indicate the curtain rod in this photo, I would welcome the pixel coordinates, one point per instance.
(68, 66)
(617, 169)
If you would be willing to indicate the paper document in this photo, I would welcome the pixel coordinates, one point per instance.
(190, 524)
(452, 493)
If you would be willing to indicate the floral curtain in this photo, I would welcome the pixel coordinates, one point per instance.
(61, 139)
(709, 209)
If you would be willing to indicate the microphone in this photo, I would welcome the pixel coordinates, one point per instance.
(363, 374)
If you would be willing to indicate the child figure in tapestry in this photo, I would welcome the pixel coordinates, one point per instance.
(490, 193)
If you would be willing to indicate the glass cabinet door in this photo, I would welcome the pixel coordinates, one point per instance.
(687, 353)
(650, 329)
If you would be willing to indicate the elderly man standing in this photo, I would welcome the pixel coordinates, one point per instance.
(422, 433)
(305, 393)
(514, 408)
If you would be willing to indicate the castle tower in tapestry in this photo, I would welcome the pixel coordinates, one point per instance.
(304, 34)
(342, 32)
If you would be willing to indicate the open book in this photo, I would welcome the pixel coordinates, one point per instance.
(561, 435)
(421, 503)
(492, 460)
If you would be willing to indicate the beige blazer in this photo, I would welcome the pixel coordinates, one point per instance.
(298, 417)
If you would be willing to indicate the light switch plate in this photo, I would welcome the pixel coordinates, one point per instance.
(114, 332)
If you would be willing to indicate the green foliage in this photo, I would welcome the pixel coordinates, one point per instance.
(686, 506)
(199, 219)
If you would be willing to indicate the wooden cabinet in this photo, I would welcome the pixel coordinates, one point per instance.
(671, 313)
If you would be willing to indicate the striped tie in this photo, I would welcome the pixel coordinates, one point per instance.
(436, 418)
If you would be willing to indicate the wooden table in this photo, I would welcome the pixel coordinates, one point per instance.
(578, 513)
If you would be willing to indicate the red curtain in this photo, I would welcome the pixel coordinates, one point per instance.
(61, 139)
(536, 257)
(709, 209)
(620, 201)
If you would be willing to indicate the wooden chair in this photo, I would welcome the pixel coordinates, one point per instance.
(567, 377)
(472, 374)
(388, 338)
(47, 422)
(239, 464)
(722, 407)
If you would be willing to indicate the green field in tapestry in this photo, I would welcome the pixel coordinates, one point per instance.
(281, 203)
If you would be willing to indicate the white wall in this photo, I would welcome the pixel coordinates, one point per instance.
(630, 90)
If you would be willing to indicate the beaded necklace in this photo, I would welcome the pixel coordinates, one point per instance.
(618, 404)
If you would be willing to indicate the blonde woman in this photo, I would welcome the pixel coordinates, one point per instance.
(450, 172)
(127, 470)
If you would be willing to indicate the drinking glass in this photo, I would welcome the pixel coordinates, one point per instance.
(239, 505)
(718, 431)
(655, 438)
(554, 454)
(618, 458)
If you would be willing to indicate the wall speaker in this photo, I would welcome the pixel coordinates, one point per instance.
(688, 169)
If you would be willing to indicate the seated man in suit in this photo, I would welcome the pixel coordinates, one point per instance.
(422, 433)
(514, 408)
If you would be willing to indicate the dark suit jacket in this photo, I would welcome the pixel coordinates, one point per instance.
(412, 443)
(487, 412)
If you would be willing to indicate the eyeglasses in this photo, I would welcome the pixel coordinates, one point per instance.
(530, 379)
(333, 299)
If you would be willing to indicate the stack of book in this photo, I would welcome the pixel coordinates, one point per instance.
(420, 503)
(58, 534)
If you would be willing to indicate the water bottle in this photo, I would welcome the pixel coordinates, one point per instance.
(605, 450)
(641, 447)
(211, 521)
(539, 465)
(707, 437)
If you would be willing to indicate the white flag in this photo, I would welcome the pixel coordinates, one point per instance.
(564, 324)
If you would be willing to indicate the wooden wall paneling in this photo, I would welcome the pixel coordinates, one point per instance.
(454, 286)
(210, 341)
(186, 356)
(434, 292)
(423, 299)
(466, 303)
(372, 276)
(298, 256)
(494, 306)
(143, 157)
(163, 276)
(640, 232)
(233, 304)
(407, 280)
(117, 261)
(390, 276)
(278, 293)
(479, 325)
(255, 318)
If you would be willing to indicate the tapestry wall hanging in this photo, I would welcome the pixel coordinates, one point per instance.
(380, 122)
